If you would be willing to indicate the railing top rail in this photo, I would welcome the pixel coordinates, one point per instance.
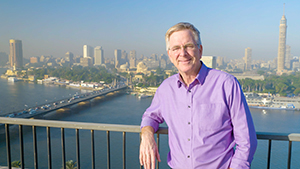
(125, 128)
(73, 125)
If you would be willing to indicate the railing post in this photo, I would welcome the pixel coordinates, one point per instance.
(93, 148)
(269, 154)
(77, 149)
(49, 148)
(108, 149)
(290, 155)
(35, 147)
(63, 148)
(21, 146)
(124, 150)
(8, 146)
(157, 140)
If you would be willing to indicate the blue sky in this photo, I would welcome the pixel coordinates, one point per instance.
(227, 27)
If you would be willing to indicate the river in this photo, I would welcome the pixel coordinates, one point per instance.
(123, 109)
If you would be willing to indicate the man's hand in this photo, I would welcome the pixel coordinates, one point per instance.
(148, 148)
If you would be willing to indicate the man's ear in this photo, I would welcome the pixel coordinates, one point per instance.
(200, 51)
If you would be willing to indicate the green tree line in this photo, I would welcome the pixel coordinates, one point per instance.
(283, 85)
(76, 73)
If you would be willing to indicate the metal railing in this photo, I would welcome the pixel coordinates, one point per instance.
(102, 127)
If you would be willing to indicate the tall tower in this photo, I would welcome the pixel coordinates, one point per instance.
(118, 55)
(98, 55)
(132, 59)
(88, 52)
(248, 55)
(282, 43)
(16, 53)
(69, 57)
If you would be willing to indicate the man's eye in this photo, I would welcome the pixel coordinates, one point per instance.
(175, 48)
(190, 46)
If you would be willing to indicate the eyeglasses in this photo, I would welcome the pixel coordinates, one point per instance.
(186, 47)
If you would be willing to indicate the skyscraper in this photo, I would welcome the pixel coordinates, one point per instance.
(98, 55)
(69, 57)
(282, 43)
(117, 58)
(16, 53)
(88, 51)
(248, 55)
(132, 59)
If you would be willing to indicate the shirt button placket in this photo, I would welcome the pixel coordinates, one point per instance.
(189, 122)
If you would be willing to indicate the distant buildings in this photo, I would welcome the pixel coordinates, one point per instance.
(117, 58)
(88, 52)
(282, 44)
(209, 61)
(132, 59)
(34, 59)
(69, 56)
(98, 55)
(247, 58)
(16, 53)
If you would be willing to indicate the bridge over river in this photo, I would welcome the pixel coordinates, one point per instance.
(60, 104)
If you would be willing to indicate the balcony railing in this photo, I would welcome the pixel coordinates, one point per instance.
(108, 128)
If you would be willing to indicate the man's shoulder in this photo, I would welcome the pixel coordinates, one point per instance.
(170, 81)
(220, 75)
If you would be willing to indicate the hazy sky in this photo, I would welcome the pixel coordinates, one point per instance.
(227, 27)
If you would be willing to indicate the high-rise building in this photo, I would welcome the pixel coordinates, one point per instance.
(282, 43)
(247, 58)
(132, 59)
(117, 58)
(88, 51)
(69, 57)
(209, 61)
(98, 55)
(16, 53)
(220, 61)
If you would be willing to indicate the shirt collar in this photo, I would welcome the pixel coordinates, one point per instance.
(200, 77)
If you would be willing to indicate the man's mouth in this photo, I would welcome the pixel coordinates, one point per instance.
(185, 60)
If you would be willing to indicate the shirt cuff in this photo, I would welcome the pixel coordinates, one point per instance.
(150, 122)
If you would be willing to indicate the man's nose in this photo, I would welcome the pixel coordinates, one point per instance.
(182, 51)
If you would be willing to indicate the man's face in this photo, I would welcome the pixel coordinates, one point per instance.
(184, 52)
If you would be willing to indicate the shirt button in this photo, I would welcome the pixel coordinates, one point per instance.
(189, 122)
(190, 91)
(189, 106)
(188, 156)
(189, 139)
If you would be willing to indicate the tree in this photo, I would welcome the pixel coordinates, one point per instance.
(16, 164)
(71, 164)
(297, 91)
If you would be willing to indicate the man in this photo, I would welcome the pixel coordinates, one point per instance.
(209, 122)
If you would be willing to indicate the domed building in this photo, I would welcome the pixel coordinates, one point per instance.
(141, 67)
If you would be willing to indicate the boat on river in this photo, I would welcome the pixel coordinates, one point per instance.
(272, 102)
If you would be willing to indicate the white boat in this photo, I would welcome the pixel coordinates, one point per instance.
(143, 96)
(13, 79)
(279, 103)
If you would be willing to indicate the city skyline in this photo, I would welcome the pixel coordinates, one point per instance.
(227, 28)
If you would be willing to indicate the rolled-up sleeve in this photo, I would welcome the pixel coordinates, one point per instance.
(243, 128)
(152, 116)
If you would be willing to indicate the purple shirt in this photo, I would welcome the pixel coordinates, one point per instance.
(205, 121)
